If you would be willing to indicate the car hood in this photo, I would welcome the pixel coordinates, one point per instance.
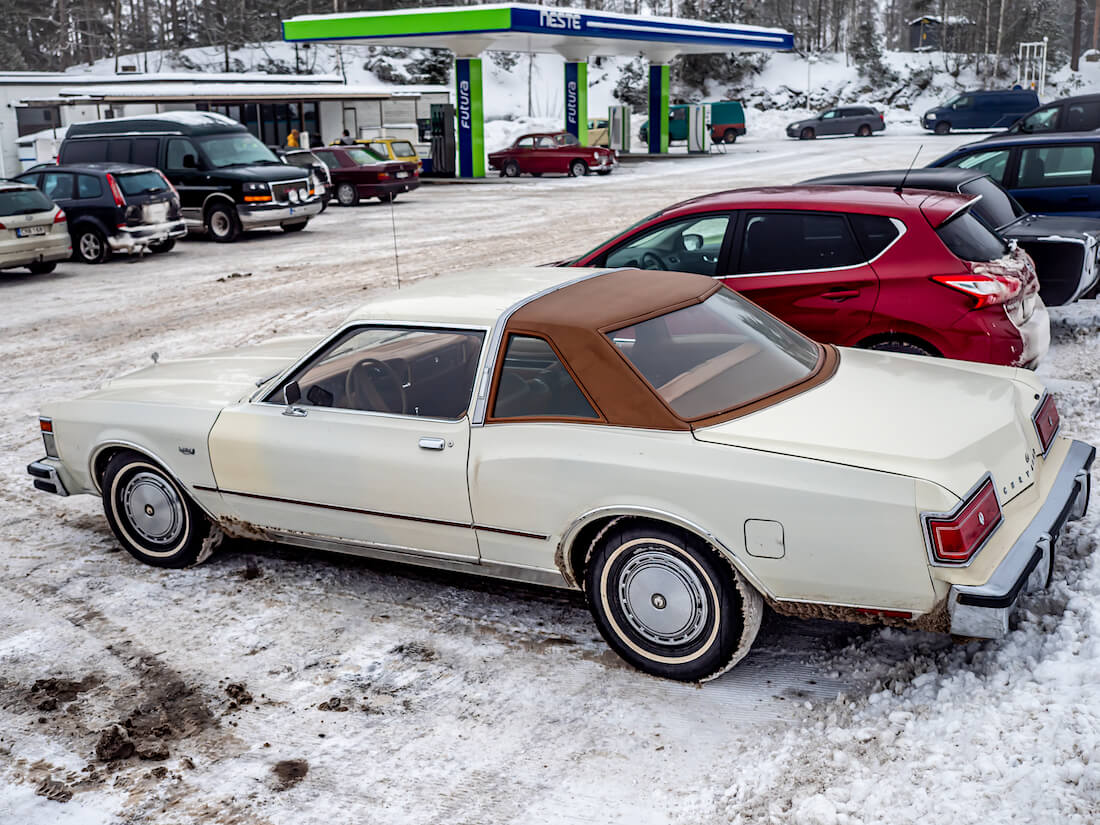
(217, 379)
(944, 421)
(1045, 227)
(269, 173)
(798, 124)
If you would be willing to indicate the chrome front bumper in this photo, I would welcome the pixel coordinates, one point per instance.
(46, 478)
(982, 611)
(259, 217)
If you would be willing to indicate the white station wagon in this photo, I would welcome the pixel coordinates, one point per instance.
(649, 437)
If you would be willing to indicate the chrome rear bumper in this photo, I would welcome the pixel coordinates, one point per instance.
(982, 611)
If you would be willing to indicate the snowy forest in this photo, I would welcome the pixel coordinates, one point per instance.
(56, 34)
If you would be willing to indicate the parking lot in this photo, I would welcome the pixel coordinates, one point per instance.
(278, 686)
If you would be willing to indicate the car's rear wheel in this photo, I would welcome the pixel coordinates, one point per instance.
(729, 136)
(163, 246)
(668, 604)
(807, 134)
(150, 514)
(347, 194)
(42, 267)
(91, 245)
(903, 346)
(295, 227)
(943, 128)
(511, 169)
(578, 169)
(863, 131)
(222, 223)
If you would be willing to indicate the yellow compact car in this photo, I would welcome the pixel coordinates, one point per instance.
(598, 131)
(393, 149)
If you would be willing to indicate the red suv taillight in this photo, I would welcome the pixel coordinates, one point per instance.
(1046, 421)
(60, 216)
(115, 191)
(955, 537)
(986, 290)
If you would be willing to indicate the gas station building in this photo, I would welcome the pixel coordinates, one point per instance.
(575, 34)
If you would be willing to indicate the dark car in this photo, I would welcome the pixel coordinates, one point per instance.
(551, 152)
(1070, 114)
(112, 207)
(305, 159)
(980, 109)
(359, 173)
(860, 121)
(227, 180)
(855, 266)
(1049, 174)
(1064, 249)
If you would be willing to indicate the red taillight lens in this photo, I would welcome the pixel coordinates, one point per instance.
(957, 537)
(2, 226)
(986, 290)
(1047, 421)
(115, 191)
(45, 424)
(383, 176)
(60, 216)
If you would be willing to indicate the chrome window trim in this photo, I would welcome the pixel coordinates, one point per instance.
(496, 337)
(349, 325)
(898, 223)
(929, 545)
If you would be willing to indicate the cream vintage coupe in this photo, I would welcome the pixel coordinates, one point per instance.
(650, 437)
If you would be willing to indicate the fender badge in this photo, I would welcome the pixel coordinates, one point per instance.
(187, 450)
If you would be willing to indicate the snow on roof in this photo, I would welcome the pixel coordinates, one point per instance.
(200, 89)
(56, 133)
(53, 78)
(952, 20)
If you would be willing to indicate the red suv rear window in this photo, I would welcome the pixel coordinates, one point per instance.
(971, 239)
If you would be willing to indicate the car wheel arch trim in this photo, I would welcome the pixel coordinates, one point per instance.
(216, 199)
(96, 468)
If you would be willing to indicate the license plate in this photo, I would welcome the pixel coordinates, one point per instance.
(402, 174)
(26, 231)
(156, 213)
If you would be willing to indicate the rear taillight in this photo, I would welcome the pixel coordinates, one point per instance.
(168, 183)
(955, 537)
(60, 216)
(115, 191)
(2, 226)
(45, 426)
(383, 176)
(1047, 421)
(986, 290)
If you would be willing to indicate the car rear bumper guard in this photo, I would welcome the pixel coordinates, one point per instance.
(982, 611)
(46, 477)
(138, 238)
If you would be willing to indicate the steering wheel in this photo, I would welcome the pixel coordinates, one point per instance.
(374, 386)
(651, 260)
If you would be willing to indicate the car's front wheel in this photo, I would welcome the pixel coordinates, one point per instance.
(347, 194)
(863, 131)
(388, 197)
(943, 128)
(669, 604)
(91, 246)
(163, 246)
(150, 515)
(729, 136)
(222, 223)
(578, 169)
(511, 169)
(807, 134)
(295, 227)
(42, 267)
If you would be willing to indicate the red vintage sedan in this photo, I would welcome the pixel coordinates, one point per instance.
(550, 152)
(856, 266)
(358, 173)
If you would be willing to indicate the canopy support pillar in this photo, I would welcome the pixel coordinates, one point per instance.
(576, 99)
(470, 112)
(658, 108)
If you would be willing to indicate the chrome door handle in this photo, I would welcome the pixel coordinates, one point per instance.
(432, 443)
(296, 412)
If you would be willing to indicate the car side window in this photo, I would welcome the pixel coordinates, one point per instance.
(534, 383)
(525, 143)
(831, 114)
(84, 151)
(1044, 120)
(567, 140)
(118, 150)
(1068, 165)
(962, 103)
(57, 185)
(1082, 117)
(874, 233)
(88, 186)
(412, 371)
(380, 149)
(328, 159)
(797, 241)
(687, 245)
(545, 142)
(145, 150)
(178, 148)
(992, 162)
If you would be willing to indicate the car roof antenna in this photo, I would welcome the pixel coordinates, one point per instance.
(393, 229)
(905, 177)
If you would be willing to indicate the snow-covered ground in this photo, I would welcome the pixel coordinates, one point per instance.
(277, 687)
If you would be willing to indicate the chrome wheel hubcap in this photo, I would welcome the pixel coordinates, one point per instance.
(90, 246)
(153, 508)
(663, 599)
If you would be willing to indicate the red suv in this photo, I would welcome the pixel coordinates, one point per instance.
(860, 266)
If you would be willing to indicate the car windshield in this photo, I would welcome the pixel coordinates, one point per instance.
(997, 207)
(403, 149)
(23, 202)
(142, 183)
(970, 239)
(236, 149)
(362, 157)
(717, 355)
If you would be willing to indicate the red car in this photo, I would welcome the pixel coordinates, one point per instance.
(358, 173)
(859, 266)
(546, 152)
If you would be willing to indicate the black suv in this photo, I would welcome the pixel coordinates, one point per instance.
(1070, 114)
(227, 180)
(112, 207)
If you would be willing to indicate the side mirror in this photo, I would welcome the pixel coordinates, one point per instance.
(692, 242)
(190, 162)
(292, 394)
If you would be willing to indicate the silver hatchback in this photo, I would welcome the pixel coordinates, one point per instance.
(33, 232)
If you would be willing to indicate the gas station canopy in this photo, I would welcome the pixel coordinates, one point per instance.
(575, 34)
